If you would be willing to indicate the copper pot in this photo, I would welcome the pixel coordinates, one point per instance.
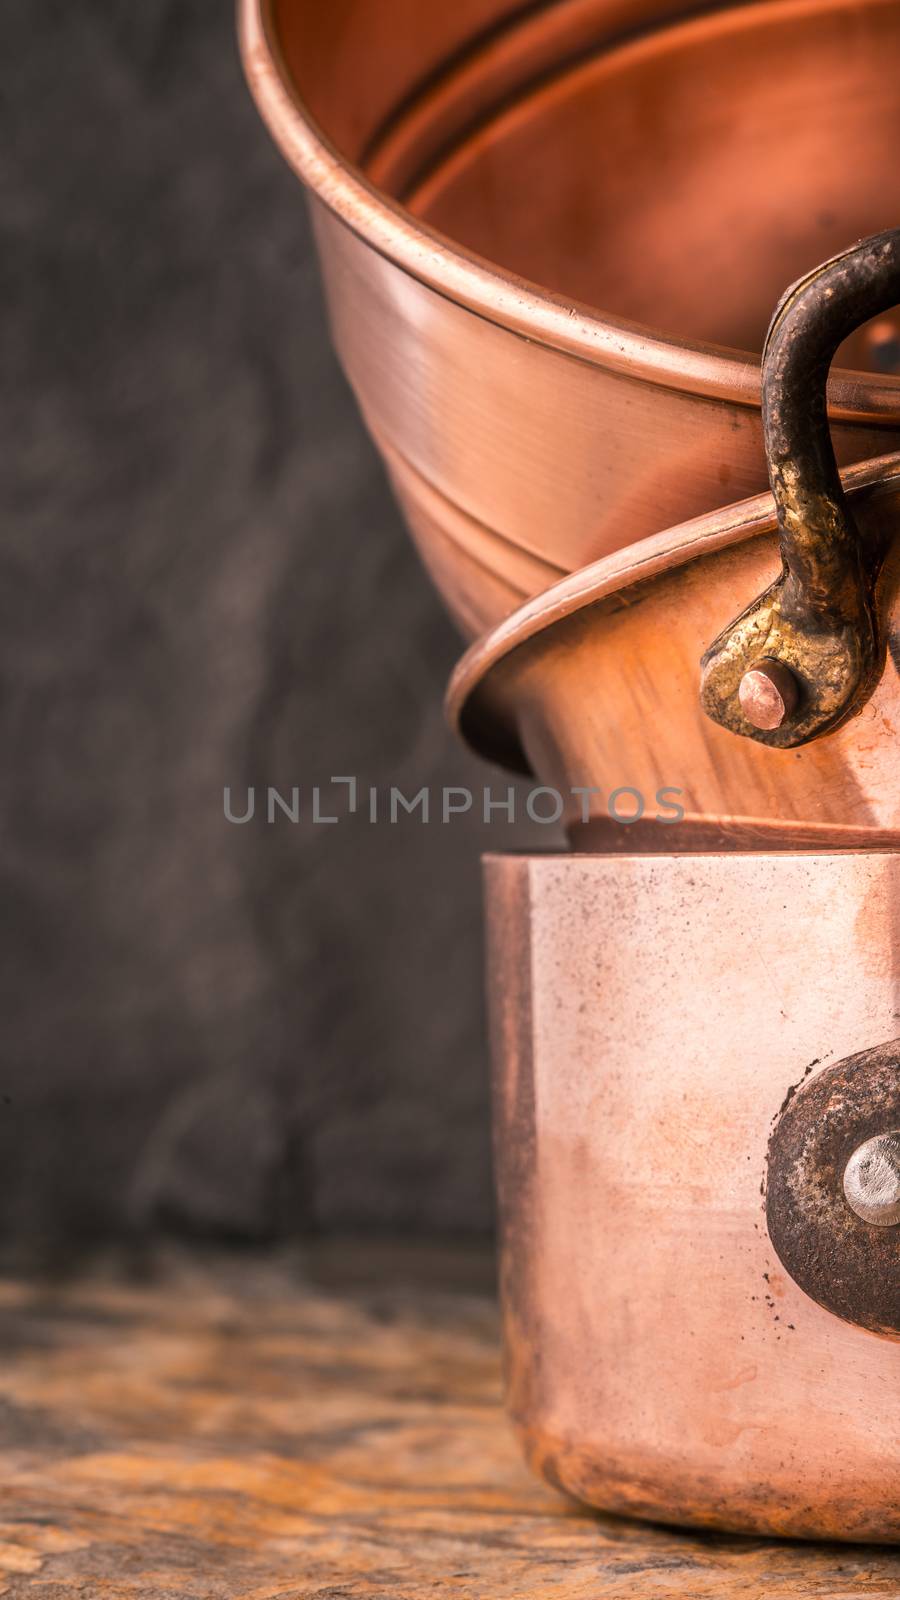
(694, 1057)
(551, 237)
(697, 1067)
(594, 687)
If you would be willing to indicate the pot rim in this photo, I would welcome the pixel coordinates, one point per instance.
(488, 728)
(492, 292)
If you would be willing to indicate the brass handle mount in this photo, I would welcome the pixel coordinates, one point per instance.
(806, 654)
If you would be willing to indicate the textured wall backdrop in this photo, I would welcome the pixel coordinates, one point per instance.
(248, 1032)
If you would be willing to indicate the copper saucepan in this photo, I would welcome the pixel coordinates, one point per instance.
(696, 1061)
(694, 1056)
(594, 686)
(551, 235)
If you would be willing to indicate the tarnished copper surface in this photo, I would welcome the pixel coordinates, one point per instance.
(594, 686)
(650, 1016)
(549, 260)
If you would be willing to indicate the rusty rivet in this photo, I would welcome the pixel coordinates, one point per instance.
(872, 1180)
(768, 694)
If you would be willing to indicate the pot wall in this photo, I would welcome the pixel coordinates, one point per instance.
(649, 1018)
(517, 462)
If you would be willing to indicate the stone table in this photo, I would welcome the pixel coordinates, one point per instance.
(328, 1427)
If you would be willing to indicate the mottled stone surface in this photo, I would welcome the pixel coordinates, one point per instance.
(327, 1430)
(241, 1031)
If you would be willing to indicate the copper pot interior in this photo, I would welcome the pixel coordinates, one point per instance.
(677, 173)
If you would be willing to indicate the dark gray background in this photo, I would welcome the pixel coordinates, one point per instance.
(248, 1032)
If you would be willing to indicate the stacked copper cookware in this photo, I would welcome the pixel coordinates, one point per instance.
(615, 284)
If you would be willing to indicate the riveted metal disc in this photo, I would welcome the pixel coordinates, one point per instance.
(848, 1265)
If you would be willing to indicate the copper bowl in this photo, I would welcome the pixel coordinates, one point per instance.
(551, 236)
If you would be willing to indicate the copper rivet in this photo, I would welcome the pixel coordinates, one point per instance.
(872, 1180)
(768, 694)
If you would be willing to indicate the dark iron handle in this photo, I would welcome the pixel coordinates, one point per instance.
(806, 653)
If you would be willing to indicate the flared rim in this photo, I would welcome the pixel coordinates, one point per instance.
(490, 731)
(492, 292)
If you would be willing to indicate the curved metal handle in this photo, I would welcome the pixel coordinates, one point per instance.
(806, 653)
